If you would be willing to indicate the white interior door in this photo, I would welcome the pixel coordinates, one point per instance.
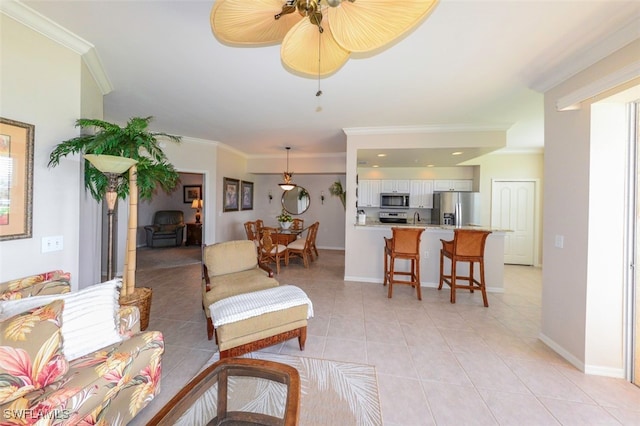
(513, 207)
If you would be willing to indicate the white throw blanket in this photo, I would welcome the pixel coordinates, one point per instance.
(243, 306)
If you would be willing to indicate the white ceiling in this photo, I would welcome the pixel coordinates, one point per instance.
(469, 63)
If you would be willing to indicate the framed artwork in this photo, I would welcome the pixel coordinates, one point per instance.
(191, 192)
(247, 195)
(230, 191)
(16, 179)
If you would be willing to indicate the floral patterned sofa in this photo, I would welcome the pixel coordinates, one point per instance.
(53, 282)
(73, 358)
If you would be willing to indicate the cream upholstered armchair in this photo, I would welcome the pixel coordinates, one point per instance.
(167, 229)
(228, 269)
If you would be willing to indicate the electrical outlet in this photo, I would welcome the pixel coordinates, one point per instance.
(50, 244)
(426, 254)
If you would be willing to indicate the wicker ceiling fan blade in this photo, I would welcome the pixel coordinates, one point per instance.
(251, 22)
(299, 50)
(366, 25)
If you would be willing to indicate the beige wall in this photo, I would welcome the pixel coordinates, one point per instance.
(517, 166)
(330, 214)
(41, 84)
(576, 163)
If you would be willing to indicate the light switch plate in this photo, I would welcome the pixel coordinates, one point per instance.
(559, 242)
(50, 244)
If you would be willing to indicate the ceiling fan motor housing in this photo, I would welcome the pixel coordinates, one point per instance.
(307, 7)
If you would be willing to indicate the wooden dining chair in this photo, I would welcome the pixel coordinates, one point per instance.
(270, 251)
(297, 224)
(314, 249)
(467, 246)
(251, 230)
(302, 247)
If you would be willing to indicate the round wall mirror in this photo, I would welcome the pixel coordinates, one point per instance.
(296, 200)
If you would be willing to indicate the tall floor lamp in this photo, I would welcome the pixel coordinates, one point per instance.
(112, 167)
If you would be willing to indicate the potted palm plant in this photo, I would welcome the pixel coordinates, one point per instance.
(152, 170)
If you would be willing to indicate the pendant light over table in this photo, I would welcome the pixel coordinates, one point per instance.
(287, 185)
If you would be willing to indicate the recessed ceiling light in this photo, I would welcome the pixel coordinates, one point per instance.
(456, 153)
(430, 165)
(375, 165)
(382, 155)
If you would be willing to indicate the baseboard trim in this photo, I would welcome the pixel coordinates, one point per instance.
(562, 352)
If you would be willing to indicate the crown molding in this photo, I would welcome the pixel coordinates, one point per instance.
(279, 156)
(514, 150)
(572, 100)
(53, 31)
(436, 128)
(585, 58)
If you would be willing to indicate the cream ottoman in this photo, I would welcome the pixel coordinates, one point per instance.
(252, 321)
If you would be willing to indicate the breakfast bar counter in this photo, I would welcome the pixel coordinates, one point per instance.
(365, 243)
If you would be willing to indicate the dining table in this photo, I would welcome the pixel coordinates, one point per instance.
(286, 236)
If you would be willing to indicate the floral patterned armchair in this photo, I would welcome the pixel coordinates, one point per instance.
(49, 371)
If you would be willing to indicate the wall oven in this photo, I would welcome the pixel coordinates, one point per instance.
(394, 200)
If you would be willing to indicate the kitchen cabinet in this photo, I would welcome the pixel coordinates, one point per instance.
(453, 185)
(421, 194)
(395, 185)
(369, 193)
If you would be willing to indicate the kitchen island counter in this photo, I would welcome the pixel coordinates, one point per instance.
(368, 242)
(427, 226)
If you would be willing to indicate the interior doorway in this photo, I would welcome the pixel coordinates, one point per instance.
(513, 207)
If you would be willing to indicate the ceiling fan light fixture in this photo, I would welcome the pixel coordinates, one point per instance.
(307, 7)
(345, 26)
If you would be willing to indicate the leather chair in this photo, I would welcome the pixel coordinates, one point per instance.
(467, 246)
(167, 229)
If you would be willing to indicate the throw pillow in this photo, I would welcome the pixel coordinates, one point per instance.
(89, 318)
(31, 351)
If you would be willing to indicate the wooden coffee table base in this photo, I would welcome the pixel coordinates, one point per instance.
(300, 333)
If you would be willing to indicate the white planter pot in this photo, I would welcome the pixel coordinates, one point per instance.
(285, 225)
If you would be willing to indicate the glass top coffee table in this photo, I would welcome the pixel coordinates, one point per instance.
(229, 392)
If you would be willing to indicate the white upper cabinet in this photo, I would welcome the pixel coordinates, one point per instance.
(395, 185)
(368, 193)
(421, 194)
(453, 185)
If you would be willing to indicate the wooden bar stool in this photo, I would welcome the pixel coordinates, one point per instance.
(467, 246)
(404, 244)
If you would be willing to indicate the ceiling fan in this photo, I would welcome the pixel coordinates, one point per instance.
(322, 43)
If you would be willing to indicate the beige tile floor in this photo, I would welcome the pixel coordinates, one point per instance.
(437, 363)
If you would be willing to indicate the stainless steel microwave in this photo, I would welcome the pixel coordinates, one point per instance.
(394, 200)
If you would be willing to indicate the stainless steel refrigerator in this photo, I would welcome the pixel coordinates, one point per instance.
(456, 208)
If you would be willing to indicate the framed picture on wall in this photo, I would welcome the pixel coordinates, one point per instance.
(16, 179)
(247, 195)
(191, 192)
(230, 191)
